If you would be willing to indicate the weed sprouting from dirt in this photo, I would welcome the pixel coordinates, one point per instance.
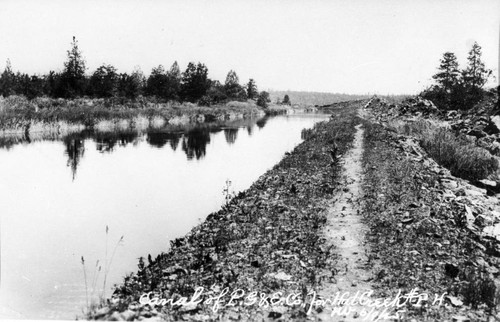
(108, 264)
(85, 278)
(479, 288)
(95, 278)
(228, 192)
(92, 303)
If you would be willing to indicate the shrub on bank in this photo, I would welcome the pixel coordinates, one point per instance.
(460, 156)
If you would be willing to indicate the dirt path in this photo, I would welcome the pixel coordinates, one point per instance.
(346, 232)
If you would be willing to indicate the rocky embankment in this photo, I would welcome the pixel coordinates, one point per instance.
(265, 248)
(430, 230)
(479, 125)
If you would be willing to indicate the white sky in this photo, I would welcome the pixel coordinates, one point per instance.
(351, 46)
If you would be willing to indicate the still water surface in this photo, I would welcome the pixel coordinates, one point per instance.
(57, 197)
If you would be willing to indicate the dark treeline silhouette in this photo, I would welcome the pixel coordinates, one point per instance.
(456, 88)
(192, 85)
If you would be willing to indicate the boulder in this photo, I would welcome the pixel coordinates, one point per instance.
(494, 126)
(489, 143)
(483, 221)
(451, 270)
(471, 192)
(449, 184)
(492, 187)
(469, 217)
(478, 133)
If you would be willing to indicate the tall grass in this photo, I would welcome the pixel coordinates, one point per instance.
(108, 264)
(92, 303)
(85, 277)
(97, 271)
(458, 154)
(479, 288)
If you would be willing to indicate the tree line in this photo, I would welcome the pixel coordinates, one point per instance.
(459, 88)
(192, 85)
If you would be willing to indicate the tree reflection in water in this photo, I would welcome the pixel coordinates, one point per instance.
(231, 135)
(106, 141)
(262, 122)
(194, 143)
(159, 139)
(75, 148)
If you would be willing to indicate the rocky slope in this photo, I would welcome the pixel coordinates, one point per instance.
(430, 229)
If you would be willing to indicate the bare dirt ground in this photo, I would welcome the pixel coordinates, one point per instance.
(346, 231)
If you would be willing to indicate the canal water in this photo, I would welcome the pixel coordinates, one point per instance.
(67, 198)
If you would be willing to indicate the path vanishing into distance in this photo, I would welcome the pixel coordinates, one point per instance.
(346, 232)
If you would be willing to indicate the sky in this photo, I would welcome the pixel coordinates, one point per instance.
(344, 46)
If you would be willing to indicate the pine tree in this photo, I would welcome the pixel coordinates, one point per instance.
(448, 74)
(252, 89)
(73, 76)
(7, 80)
(104, 81)
(286, 100)
(474, 77)
(138, 82)
(233, 88)
(174, 81)
(157, 82)
(195, 82)
(175, 72)
(263, 99)
(459, 89)
(476, 74)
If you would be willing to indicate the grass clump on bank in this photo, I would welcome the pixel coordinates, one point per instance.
(458, 154)
(461, 157)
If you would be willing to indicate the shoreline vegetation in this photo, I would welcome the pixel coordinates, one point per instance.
(44, 117)
(73, 100)
(19, 115)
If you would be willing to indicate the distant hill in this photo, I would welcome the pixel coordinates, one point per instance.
(313, 98)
